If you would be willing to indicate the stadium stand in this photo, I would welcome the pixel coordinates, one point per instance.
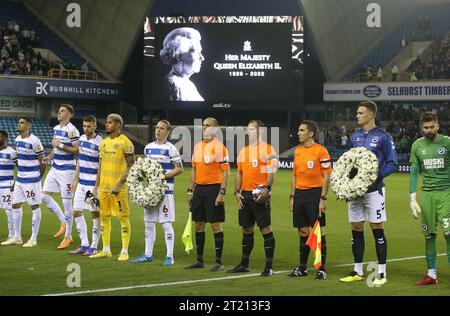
(21, 30)
(40, 129)
(402, 122)
(415, 27)
(436, 65)
(44, 131)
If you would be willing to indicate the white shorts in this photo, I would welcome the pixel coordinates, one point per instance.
(27, 192)
(59, 181)
(162, 213)
(78, 200)
(6, 197)
(371, 208)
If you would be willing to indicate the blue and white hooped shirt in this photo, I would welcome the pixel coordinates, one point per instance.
(167, 155)
(8, 160)
(28, 150)
(66, 135)
(89, 159)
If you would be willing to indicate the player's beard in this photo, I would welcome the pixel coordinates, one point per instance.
(430, 136)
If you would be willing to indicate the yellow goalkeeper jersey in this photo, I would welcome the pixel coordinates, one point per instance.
(113, 165)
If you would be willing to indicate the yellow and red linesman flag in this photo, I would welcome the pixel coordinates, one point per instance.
(315, 243)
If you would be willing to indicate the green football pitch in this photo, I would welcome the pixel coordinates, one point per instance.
(44, 270)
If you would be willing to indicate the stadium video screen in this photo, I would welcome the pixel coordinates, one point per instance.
(207, 60)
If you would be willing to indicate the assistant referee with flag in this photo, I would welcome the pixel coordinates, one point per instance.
(309, 189)
(206, 191)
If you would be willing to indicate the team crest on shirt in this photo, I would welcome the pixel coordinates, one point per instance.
(310, 164)
(162, 152)
(27, 146)
(441, 151)
(93, 146)
(424, 152)
(424, 227)
(116, 146)
(374, 139)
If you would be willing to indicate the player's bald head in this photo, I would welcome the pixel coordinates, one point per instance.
(209, 128)
(211, 121)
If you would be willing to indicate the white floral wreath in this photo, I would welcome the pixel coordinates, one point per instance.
(353, 173)
(151, 193)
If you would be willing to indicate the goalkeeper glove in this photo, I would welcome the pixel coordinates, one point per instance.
(92, 200)
(413, 205)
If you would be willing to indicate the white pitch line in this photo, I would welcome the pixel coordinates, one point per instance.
(124, 288)
(389, 260)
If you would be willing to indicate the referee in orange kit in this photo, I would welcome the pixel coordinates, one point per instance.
(206, 191)
(309, 189)
(257, 165)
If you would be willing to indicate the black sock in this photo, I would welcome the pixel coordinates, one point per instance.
(200, 243)
(304, 252)
(358, 246)
(218, 240)
(324, 253)
(380, 245)
(247, 247)
(269, 247)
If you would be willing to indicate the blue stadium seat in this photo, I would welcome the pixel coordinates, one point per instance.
(40, 129)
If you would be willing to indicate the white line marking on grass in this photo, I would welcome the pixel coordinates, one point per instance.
(389, 260)
(132, 287)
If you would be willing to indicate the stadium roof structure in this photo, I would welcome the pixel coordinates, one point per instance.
(110, 29)
(108, 33)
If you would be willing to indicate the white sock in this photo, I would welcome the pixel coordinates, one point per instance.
(95, 232)
(10, 217)
(169, 236)
(432, 273)
(54, 207)
(68, 211)
(82, 230)
(106, 248)
(150, 236)
(124, 250)
(359, 268)
(36, 221)
(382, 269)
(17, 214)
